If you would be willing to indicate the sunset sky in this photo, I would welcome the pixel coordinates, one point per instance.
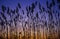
(12, 4)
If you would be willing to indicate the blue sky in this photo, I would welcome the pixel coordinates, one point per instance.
(13, 3)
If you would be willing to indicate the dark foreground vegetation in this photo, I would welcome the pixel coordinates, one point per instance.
(38, 22)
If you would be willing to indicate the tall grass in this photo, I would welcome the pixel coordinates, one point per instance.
(42, 24)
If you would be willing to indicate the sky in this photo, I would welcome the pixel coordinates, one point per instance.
(24, 3)
(13, 3)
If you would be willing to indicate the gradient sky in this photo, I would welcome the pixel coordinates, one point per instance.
(13, 3)
(24, 3)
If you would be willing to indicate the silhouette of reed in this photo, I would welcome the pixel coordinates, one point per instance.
(42, 24)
